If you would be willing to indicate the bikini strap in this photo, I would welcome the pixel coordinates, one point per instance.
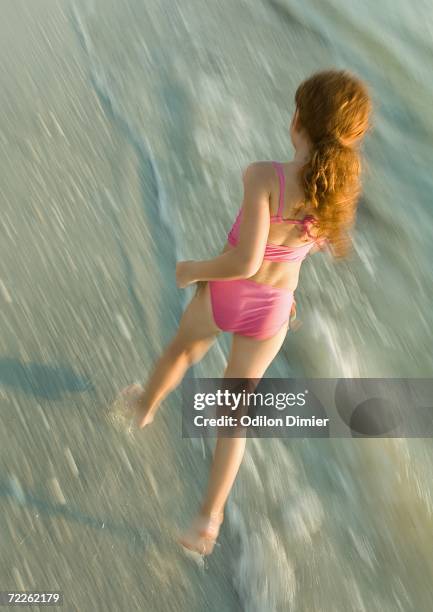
(308, 221)
(282, 181)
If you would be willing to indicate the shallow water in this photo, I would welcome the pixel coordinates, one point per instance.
(124, 130)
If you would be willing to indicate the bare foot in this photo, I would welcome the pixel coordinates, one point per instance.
(132, 396)
(201, 536)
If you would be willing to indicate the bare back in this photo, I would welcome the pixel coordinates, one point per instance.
(283, 274)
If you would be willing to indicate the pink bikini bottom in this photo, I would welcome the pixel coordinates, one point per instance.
(248, 308)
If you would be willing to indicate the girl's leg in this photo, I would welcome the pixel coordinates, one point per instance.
(250, 359)
(196, 333)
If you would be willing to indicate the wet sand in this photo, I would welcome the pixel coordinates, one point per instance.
(87, 509)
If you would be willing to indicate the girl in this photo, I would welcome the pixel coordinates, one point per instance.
(289, 210)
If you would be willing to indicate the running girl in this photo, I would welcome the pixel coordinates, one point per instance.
(289, 210)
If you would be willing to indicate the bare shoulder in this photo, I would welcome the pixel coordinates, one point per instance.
(292, 172)
(259, 172)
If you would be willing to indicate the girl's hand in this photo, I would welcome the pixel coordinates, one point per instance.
(294, 323)
(293, 310)
(184, 274)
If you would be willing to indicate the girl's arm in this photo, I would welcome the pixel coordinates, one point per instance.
(227, 266)
(246, 257)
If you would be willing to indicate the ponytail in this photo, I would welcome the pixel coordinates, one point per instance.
(334, 108)
(331, 185)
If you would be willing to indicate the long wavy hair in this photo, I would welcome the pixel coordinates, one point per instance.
(334, 108)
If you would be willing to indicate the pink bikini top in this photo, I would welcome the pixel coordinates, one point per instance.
(277, 252)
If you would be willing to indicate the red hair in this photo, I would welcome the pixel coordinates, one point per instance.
(334, 109)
